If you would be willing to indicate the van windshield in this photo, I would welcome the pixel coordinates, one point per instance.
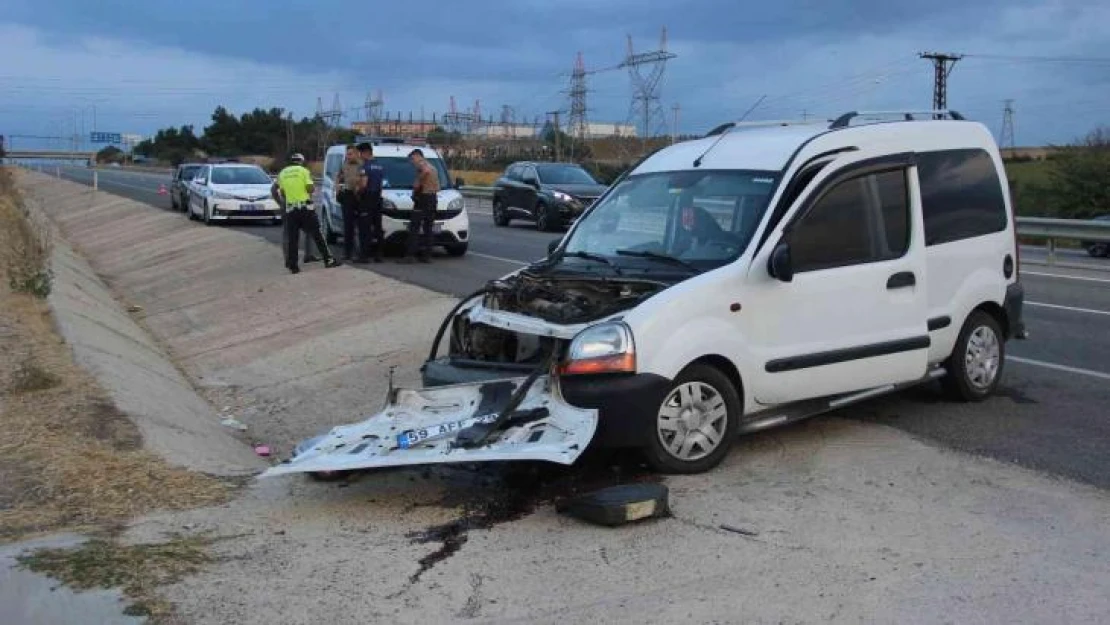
(703, 218)
(399, 172)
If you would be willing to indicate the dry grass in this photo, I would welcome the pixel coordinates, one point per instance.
(476, 178)
(137, 570)
(68, 458)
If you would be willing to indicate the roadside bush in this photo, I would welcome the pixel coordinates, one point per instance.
(27, 258)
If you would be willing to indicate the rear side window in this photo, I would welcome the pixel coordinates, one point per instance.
(961, 195)
(861, 220)
(514, 172)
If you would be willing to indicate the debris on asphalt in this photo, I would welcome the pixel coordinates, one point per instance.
(618, 505)
(233, 423)
(738, 530)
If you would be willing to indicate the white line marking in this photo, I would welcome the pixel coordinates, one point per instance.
(504, 260)
(1089, 311)
(1049, 365)
(1056, 275)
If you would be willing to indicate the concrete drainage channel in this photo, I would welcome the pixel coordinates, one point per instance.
(832, 520)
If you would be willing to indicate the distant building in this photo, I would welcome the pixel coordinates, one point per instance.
(599, 130)
(505, 131)
(394, 127)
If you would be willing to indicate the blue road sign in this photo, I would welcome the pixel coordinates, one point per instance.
(105, 137)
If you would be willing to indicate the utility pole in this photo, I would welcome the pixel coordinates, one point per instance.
(943, 64)
(1007, 135)
(558, 131)
(674, 128)
(578, 101)
(646, 71)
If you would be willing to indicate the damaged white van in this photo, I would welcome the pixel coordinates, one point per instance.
(759, 275)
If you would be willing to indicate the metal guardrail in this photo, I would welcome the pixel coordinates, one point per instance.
(1052, 230)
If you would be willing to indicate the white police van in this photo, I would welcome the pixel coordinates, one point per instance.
(452, 224)
(759, 275)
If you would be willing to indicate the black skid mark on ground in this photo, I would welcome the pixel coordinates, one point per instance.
(490, 495)
(1017, 395)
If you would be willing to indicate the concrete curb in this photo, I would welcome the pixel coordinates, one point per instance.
(175, 421)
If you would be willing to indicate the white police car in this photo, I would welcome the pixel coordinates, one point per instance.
(452, 224)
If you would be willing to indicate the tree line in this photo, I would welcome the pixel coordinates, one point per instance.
(262, 132)
(1072, 183)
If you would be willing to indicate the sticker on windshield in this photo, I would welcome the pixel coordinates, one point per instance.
(763, 180)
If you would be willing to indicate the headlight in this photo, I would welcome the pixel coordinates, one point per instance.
(603, 348)
(216, 195)
(455, 204)
(559, 195)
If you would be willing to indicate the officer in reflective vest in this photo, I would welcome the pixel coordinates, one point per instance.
(294, 183)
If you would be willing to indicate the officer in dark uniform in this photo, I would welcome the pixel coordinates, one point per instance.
(370, 205)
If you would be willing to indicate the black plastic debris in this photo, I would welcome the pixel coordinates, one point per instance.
(618, 505)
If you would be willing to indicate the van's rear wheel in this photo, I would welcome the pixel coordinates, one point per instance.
(975, 366)
(696, 422)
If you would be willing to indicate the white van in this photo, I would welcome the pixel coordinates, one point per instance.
(759, 275)
(452, 223)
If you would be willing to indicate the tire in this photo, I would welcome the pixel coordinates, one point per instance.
(713, 386)
(500, 215)
(1099, 249)
(173, 203)
(457, 249)
(543, 218)
(189, 213)
(208, 215)
(974, 368)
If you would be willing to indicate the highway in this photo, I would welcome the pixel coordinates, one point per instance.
(1053, 413)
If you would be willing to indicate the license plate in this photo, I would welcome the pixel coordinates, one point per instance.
(410, 438)
(250, 207)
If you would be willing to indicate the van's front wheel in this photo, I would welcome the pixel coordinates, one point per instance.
(975, 366)
(696, 422)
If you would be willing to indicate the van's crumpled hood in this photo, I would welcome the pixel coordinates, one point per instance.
(547, 429)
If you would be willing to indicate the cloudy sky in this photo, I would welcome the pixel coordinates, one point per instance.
(137, 66)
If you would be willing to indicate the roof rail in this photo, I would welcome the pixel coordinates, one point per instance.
(846, 119)
(756, 124)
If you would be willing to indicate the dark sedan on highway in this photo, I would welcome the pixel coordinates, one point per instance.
(550, 194)
(1098, 248)
(179, 193)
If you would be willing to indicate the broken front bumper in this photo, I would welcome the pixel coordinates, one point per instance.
(419, 427)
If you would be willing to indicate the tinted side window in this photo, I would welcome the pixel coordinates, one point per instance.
(514, 172)
(961, 195)
(860, 220)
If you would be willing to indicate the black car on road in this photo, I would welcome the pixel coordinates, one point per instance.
(179, 193)
(1098, 248)
(550, 194)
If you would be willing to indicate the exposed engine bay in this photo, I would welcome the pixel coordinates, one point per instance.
(564, 300)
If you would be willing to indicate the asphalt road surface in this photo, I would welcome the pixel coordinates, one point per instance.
(1053, 412)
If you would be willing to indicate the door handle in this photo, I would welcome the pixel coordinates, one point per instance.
(901, 280)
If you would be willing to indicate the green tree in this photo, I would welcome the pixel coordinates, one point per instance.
(1079, 178)
(110, 154)
(222, 136)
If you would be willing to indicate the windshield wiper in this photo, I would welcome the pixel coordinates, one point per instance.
(662, 257)
(590, 256)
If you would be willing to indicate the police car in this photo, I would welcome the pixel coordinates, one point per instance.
(452, 224)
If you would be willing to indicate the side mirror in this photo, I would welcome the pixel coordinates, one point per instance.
(532, 182)
(459, 182)
(779, 265)
(552, 246)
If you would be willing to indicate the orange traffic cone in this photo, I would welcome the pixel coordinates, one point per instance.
(162, 189)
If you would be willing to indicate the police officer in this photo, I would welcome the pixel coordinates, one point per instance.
(424, 201)
(348, 181)
(370, 184)
(294, 183)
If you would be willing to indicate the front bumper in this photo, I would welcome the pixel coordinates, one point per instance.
(422, 427)
(231, 209)
(626, 403)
